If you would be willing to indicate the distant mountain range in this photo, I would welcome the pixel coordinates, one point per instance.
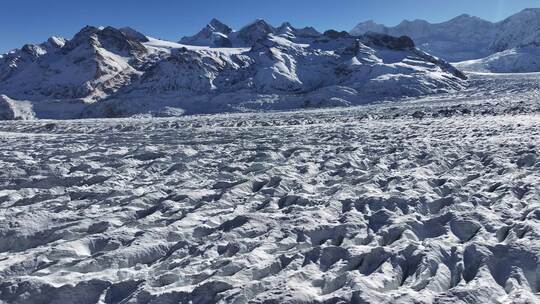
(217, 34)
(471, 38)
(118, 72)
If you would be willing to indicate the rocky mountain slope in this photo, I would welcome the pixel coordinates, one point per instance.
(109, 72)
(466, 38)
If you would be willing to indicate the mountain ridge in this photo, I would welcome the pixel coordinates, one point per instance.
(466, 37)
(116, 72)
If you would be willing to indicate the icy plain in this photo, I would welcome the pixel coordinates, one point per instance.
(432, 200)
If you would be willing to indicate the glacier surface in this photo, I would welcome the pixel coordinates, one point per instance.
(432, 200)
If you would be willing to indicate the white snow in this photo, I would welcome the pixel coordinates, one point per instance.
(431, 200)
(522, 60)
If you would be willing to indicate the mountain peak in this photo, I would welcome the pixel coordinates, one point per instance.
(218, 26)
(134, 34)
(82, 35)
(464, 16)
(286, 24)
(107, 66)
(415, 21)
(215, 34)
(368, 26)
(215, 21)
(87, 30)
(259, 23)
(57, 42)
(254, 31)
(121, 41)
(370, 22)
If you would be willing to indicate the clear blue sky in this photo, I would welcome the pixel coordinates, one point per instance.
(33, 21)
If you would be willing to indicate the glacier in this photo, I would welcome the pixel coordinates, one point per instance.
(433, 199)
(273, 165)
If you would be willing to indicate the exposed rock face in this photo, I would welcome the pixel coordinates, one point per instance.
(94, 63)
(214, 34)
(335, 34)
(399, 43)
(287, 30)
(255, 31)
(108, 38)
(218, 35)
(133, 34)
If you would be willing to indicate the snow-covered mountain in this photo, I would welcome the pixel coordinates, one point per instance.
(466, 38)
(109, 72)
(96, 62)
(462, 38)
(517, 31)
(217, 34)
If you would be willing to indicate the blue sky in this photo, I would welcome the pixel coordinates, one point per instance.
(33, 21)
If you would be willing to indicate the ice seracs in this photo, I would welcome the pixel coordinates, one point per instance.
(436, 200)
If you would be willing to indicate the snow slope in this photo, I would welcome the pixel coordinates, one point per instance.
(517, 60)
(435, 200)
(109, 72)
(467, 38)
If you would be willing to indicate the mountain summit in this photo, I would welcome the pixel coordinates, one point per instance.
(216, 34)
